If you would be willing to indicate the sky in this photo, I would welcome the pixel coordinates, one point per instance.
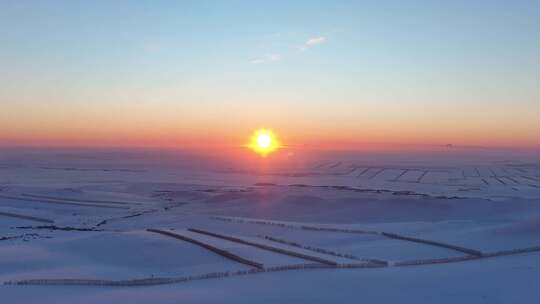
(318, 73)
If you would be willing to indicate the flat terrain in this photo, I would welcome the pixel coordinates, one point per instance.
(146, 227)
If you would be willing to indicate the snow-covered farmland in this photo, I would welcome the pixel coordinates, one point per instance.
(165, 228)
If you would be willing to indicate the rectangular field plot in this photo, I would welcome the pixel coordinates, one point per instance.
(412, 176)
(365, 246)
(109, 256)
(264, 257)
(497, 238)
(56, 212)
(383, 248)
(389, 174)
(509, 180)
(438, 177)
(496, 181)
(372, 173)
(484, 172)
(354, 170)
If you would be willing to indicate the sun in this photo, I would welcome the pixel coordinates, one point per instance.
(264, 142)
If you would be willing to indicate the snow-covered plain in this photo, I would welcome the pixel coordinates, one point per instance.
(448, 226)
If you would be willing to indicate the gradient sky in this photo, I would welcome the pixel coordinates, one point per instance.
(175, 73)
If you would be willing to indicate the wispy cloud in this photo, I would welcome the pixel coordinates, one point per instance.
(311, 42)
(273, 57)
(266, 59)
(315, 40)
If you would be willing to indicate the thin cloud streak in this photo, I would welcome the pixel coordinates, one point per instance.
(311, 42)
(266, 59)
(270, 58)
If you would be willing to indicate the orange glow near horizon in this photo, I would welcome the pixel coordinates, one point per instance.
(369, 138)
(162, 131)
(264, 142)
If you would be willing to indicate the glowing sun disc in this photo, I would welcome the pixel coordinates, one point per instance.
(263, 141)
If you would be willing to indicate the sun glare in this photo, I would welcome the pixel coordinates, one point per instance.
(264, 142)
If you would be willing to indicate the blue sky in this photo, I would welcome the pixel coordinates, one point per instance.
(353, 70)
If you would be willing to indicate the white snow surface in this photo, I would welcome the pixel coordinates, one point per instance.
(84, 215)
